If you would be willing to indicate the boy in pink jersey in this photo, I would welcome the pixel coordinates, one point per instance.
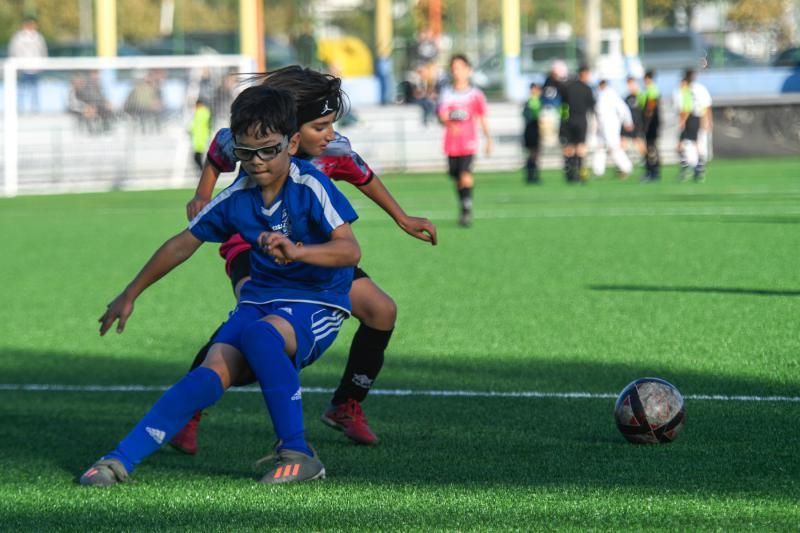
(461, 109)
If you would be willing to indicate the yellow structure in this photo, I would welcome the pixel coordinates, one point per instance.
(383, 28)
(347, 57)
(630, 27)
(251, 31)
(511, 31)
(106, 28)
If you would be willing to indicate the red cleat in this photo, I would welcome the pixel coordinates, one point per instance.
(186, 439)
(349, 418)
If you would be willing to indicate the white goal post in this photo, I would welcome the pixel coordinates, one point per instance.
(92, 124)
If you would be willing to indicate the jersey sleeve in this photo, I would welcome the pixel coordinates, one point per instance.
(480, 103)
(220, 153)
(331, 208)
(212, 224)
(341, 163)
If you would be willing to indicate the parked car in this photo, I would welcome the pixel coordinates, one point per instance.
(789, 57)
(672, 50)
(537, 56)
(720, 56)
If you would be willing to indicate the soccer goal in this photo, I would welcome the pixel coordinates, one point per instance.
(95, 124)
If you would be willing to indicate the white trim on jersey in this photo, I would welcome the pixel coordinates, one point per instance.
(309, 180)
(297, 300)
(244, 182)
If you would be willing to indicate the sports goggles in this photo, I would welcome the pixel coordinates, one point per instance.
(264, 153)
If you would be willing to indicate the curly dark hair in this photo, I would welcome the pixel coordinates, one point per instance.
(308, 87)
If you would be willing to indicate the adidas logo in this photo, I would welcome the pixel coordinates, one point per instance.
(157, 434)
(297, 395)
(287, 310)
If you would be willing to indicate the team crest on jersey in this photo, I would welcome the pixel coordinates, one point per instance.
(285, 226)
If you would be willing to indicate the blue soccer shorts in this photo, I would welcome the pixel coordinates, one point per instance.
(315, 326)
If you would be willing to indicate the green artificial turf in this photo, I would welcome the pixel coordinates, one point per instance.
(554, 289)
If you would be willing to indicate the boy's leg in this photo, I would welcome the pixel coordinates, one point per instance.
(303, 331)
(466, 183)
(199, 389)
(185, 440)
(377, 313)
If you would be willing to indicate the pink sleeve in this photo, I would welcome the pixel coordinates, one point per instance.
(220, 153)
(480, 103)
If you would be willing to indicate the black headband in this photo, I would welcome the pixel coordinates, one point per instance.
(317, 108)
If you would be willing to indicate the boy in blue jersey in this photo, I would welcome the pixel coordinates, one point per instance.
(291, 309)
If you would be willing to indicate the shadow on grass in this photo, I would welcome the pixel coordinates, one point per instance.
(713, 290)
(727, 447)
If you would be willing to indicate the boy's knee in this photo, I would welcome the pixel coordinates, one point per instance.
(257, 335)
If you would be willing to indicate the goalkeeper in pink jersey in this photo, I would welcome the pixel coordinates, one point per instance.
(320, 102)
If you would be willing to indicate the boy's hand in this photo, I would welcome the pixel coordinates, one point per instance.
(488, 146)
(196, 205)
(421, 228)
(278, 246)
(121, 308)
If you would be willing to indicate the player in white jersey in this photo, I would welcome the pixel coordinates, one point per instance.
(612, 114)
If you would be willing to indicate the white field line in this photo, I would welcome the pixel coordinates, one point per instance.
(46, 387)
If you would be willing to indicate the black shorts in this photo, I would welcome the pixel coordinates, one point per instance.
(531, 137)
(458, 164)
(240, 269)
(636, 133)
(690, 129)
(575, 131)
(358, 273)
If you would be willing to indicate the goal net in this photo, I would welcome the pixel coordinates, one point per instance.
(95, 124)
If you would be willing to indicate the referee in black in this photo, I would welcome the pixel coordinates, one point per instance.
(580, 102)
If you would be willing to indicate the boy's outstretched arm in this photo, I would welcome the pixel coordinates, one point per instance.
(171, 254)
(341, 251)
(421, 228)
(204, 191)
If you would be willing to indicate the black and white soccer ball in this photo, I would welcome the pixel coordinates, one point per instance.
(650, 411)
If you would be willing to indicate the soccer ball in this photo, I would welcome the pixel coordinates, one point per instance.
(649, 411)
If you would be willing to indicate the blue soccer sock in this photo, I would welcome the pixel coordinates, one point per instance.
(264, 348)
(198, 389)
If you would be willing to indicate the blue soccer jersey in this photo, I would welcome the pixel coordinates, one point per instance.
(307, 209)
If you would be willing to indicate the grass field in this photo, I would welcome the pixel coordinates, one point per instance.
(555, 289)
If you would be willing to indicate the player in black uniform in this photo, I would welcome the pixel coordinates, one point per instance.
(531, 112)
(635, 136)
(649, 103)
(580, 101)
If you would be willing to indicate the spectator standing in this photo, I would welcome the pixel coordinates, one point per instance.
(200, 131)
(27, 43)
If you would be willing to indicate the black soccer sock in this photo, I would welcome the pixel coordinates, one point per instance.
(203, 352)
(532, 171)
(465, 195)
(570, 169)
(363, 364)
